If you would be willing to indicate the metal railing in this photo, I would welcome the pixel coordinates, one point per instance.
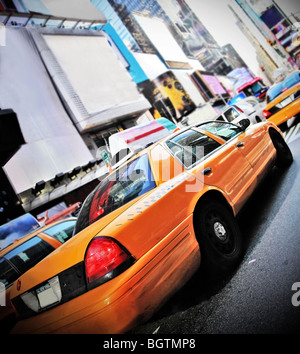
(12, 19)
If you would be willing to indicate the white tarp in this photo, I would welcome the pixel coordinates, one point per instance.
(93, 70)
(90, 78)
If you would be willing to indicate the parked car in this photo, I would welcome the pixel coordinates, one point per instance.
(283, 99)
(238, 112)
(140, 232)
(22, 254)
(253, 107)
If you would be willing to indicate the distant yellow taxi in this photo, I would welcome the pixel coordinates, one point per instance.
(283, 99)
(140, 232)
(21, 254)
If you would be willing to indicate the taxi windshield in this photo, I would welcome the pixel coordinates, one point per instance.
(125, 184)
(225, 131)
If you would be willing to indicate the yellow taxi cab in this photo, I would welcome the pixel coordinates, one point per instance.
(283, 99)
(21, 254)
(143, 231)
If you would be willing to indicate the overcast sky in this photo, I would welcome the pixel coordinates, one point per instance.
(220, 22)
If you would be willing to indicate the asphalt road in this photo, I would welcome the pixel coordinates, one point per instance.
(257, 296)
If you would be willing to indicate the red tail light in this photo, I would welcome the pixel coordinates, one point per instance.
(239, 110)
(266, 114)
(103, 256)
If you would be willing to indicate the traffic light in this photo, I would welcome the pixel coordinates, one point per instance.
(10, 205)
(11, 137)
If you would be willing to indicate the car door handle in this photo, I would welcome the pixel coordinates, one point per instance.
(240, 144)
(206, 171)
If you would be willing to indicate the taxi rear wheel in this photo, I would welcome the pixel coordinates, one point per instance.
(219, 237)
(284, 155)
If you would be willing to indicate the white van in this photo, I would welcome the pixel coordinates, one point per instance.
(128, 142)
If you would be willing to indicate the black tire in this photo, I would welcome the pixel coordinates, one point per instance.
(283, 126)
(284, 155)
(219, 237)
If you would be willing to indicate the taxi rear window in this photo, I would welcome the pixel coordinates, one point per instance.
(22, 258)
(62, 231)
(125, 184)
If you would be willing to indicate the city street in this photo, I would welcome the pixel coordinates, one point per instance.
(111, 111)
(257, 297)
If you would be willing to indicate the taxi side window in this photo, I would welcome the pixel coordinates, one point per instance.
(191, 147)
(22, 258)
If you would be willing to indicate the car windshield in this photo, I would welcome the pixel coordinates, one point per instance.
(125, 184)
(256, 87)
(225, 131)
(252, 89)
(251, 101)
(283, 85)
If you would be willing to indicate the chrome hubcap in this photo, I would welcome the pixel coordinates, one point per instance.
(220, 231)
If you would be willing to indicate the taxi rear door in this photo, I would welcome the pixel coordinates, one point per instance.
(229, 169)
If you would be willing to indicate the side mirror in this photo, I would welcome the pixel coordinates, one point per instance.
(244, 123)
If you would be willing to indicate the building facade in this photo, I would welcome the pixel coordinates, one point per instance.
(193, 38)
(271, 32)
(66, 96)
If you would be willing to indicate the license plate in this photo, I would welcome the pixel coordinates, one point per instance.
(286, 102)
(49, 293)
